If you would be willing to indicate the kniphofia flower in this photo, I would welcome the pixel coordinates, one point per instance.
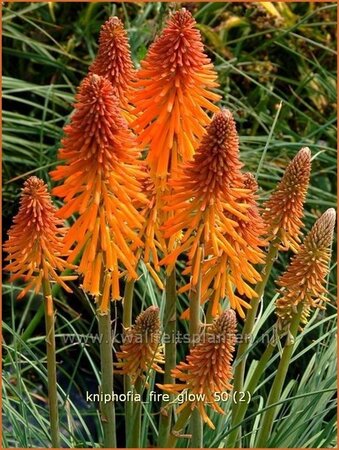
(206, 188)
(213, 205)
(221, 273)
(101, 186)
(305, 279)
(207, 370)
(113, 60)
(150, 234)
(34, 244)
(173, 93)
(141, 350)
(285, 208)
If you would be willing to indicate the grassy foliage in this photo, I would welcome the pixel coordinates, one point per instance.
(277, 73)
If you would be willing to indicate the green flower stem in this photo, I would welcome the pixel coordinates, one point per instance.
(194, 323)
(178, 427)
(133, 438)
(170, 356)
(127, 323)
(209, 317)
(279, 379)
(194, 329)
(128, 304)
(107, 411)
(196, 429)
(239, 371)
(36, 319)
(255, 378)
(51, 364)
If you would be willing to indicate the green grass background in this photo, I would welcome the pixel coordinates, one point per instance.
(278, 76)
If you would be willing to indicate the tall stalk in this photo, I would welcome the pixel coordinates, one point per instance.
(179, 425)
(128, 304)
(194, 329)
(133, 438)
(127, 323)
(51, 364)
(107, 408)
(252, 384)
(279, 379)
(241, 357)
(209, 316)
(170, 356)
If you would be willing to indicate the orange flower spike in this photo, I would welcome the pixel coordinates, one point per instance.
(214, 203)
(305, 279)
(253, 229)
(216, 165)
(34, 244)
(205, 191)
(100, 184)
(285, 208)
(141, 350)
(113, 60)
(207, 370)
(173, 93)
(221, 273)
(150, 233)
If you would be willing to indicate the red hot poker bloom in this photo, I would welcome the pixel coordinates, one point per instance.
(100, 185)
(208, 368)
(113, 60)
(253, 229)
(174, 85)
(34, 244)
(285, 208)
(221, 273)
(213, 206)
(205, 189)
(304, 281)
(141, 350)
(150, 234)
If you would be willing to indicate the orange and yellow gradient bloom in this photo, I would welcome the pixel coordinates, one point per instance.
(305, 279)
(173, 94)
(214, 205)
(100, 185)
(35, 240)
(207, 370)
(141, 350)
(114, 61)
(151, 235)
(221, 273)
(284, 210)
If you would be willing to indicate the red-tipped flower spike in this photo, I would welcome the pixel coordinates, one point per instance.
(221, 274)
(113, 60)
(213, 206)
(285, 208)
(141, 350)
(208, 369)
(305, 279)
(100, 185)
(174, 85)
(34, 244)
(205, 189)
